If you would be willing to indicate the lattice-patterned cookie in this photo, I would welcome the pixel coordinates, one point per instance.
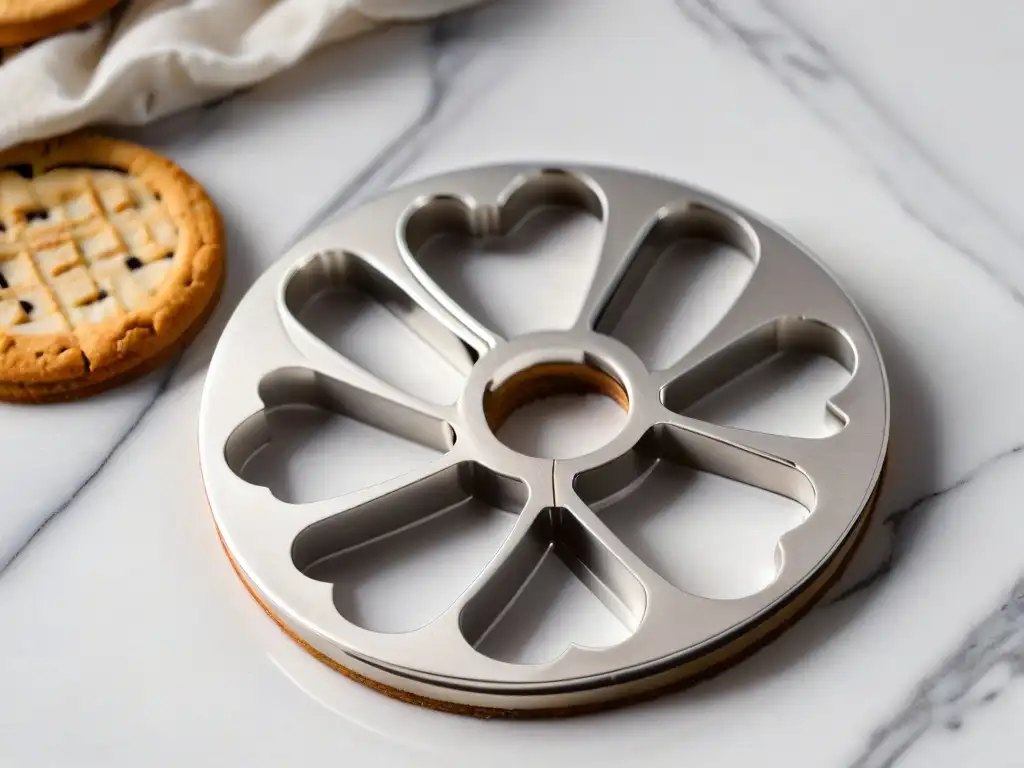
(23, 21)
(110, 259)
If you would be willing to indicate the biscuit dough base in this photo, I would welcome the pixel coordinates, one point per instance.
(715, 661)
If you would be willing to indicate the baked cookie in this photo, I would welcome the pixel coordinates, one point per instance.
(23, 21)
(111, 257)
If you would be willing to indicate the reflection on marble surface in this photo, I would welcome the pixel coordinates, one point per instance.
(125, 624)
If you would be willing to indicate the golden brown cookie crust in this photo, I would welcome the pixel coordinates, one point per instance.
(53, 366)
(22, 21)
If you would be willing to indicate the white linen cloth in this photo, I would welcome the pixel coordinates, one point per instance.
(149, 59)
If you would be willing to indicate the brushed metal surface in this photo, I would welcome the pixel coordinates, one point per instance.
(267, 359)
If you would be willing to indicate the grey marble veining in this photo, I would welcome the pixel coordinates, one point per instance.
(919, 181)
(450, 53)
(990, 659)
(895, 519)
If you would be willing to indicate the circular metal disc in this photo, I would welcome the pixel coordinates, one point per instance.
(267, 359)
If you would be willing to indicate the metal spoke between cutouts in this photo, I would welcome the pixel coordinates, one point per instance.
(372, 249)
(435, 300)
(331, 528)
(330, 380)
(278, 542)
(290, 367)
(431, 309)
(814, 472)
(614, 560)
(745, 336)
(480, 607)
(785, 304)
(319, 375)
(585, 545)
(790, 466)
(628, 249)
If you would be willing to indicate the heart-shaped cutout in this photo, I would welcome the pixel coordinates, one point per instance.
(314, 440)
(314, 454)
(688, 288)
(706, 534)
(403, 582)
(554, 610)
(365, 318)
(543, 266)
(540, 243)
(787, 394)
(399, 561)
(781, 378)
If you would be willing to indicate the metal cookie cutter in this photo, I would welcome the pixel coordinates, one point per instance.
(267, 359)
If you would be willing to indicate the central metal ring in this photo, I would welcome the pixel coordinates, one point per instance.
(543, 364)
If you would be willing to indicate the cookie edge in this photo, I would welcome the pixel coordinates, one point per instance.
(59, 364)
(30, 30)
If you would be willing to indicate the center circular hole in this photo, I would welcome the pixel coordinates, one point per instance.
(557, 410)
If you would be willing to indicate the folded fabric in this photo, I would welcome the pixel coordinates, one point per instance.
(148, 59)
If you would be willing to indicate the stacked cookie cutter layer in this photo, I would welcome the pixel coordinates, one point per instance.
(267, 359)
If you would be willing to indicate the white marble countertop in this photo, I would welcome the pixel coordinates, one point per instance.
(882, 134)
